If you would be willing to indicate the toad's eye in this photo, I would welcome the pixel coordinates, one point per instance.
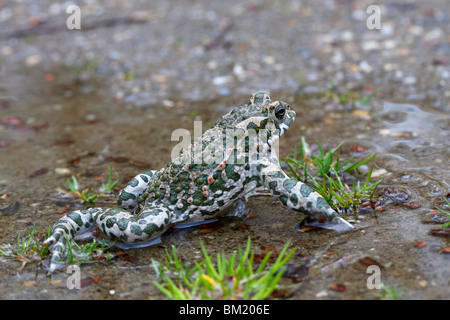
(280, 111)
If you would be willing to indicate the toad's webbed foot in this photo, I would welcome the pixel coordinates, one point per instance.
(75, 225)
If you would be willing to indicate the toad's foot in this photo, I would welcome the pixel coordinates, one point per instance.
(75, 225)
(337, 224)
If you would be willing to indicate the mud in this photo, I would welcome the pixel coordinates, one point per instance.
(71, 101)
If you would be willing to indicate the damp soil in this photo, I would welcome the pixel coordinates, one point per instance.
(72, 102)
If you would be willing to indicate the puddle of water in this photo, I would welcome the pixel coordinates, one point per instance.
(411, 147)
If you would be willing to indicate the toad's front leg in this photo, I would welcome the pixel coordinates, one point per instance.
(298, 196)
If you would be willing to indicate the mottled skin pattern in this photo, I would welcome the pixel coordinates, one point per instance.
(231, 159)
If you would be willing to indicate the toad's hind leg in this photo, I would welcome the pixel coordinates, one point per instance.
(116, 223)
(128, 196)
(123, 226)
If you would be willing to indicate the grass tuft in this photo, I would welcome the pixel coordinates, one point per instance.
(445, 212)
(220, 276)
(325, 170)
(88, 195)
(30, 249)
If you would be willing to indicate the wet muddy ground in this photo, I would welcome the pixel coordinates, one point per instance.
(72, 101)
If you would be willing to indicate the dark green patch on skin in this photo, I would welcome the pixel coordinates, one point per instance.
(283, 200)
(246, 147)
(263, 123)
(288, 184)
(149, 173)
(252, 126)
(322, 203)
(294, 199)
(144, 178)
(61, 226)
(231, 174)
(276, 174)
(184, 176)
(152, 228)
(173, 199)
(260, 166)
(309, 204)
(217, 185)
(208, 203)
(160, 194)
(110, 213)
(273, 185)
(305, 190)
(177, 212)
(122, 224)
(103, 227)
(305, 211)
(136, 230)
(200, 180)
(250, 179)
(76, 218)
(57, 236)
(198, 195)
(110, 222)
(133, 182)
(124, 196)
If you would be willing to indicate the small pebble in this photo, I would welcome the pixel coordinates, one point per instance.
(212, 65)
(370, 45)
(62, 171)
(423, 283)
(33, 60)
(364, 66)
(322, 294)
(379, 172)
(217, 81)
(409, 80)
(168, 103)
(269, 59)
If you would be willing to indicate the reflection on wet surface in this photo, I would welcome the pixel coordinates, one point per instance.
(111, 96)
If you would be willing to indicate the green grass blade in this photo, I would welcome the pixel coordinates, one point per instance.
(357, 164)
(294, 173)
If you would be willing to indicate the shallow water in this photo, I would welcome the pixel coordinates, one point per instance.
(71, 122)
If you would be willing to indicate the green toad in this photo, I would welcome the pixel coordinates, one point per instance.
(232, 158)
